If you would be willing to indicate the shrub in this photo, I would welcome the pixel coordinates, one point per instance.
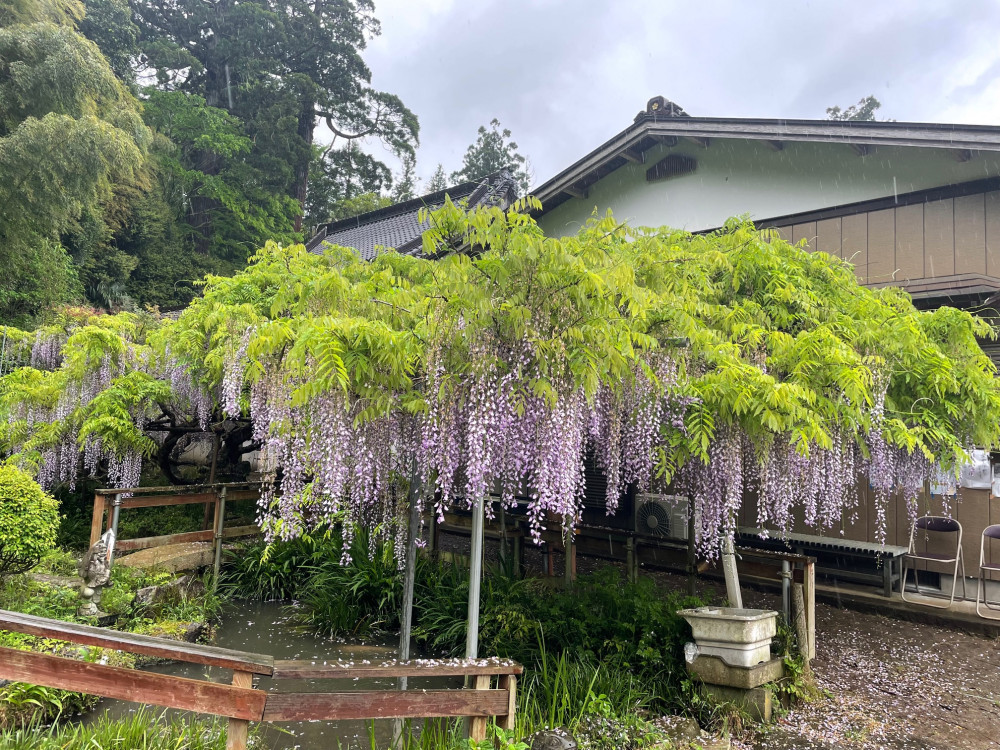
(29, 521)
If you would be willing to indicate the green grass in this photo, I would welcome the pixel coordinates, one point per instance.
(143, 730)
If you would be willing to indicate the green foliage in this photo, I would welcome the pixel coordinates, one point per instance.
(29, 520)
(142, 730)
(345, 182)
(864, 110)
(493, 151)
(70, 136)
(438, 180)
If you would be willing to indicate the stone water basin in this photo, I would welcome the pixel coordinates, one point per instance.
(740, 637)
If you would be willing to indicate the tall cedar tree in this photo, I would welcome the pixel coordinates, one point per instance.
(282, 69)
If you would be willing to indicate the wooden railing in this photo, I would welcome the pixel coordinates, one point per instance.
(240, 702)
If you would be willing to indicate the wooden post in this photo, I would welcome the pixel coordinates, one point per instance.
(799, 615)
(809, 590)
(630, 559)
(220, 522)
(97, 522)
(236, 733)
(477, 724)
(518, 551)
(211, 480)
(508, 682)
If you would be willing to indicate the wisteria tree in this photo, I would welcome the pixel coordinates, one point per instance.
(724, 365)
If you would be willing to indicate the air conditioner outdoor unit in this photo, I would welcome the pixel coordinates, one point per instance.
(661, 516)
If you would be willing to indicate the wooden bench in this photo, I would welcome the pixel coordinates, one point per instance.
(888, 556)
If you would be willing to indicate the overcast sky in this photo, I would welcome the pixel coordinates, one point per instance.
(566, 75)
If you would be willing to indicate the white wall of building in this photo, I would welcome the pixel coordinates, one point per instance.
(738, 176)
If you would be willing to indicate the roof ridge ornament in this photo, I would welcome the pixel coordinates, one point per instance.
(661, 107)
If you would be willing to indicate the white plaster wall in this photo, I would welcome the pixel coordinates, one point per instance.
(734, 177)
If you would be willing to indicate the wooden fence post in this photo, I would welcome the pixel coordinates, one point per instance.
(508, 682)
(477, 724)
(809, 590)
(220, 524)
(97, 521)
(239, 729)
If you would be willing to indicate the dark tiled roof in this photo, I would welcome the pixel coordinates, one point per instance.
(398, 226)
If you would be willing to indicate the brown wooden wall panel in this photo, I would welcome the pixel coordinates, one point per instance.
(939, 238)
(973, 512)
(881, 245)
(785, 233)
(970, 234)
(854, 243)
(805, 232)
(856, 528)
(828, 236)
(909, 243)
(993, 233)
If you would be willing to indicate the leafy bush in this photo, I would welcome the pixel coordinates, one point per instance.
(29, 520)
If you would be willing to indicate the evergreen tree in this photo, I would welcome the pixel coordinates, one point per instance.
(406, 186)
(493, 151)
(438, 181)
(281, 68)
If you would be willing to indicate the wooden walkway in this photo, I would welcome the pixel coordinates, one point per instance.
(240, 702)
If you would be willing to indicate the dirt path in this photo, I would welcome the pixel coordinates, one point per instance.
(895, 684)
(887, 684)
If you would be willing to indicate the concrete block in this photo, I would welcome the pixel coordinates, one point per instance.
(758, 702)
(714, 671)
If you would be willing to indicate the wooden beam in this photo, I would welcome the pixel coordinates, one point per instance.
(132, 685)
(130, 545)
(163, 500)
(147, 645)
(97, 521)
(384, 704)
(698, 141)
(962, 154)
(860, 149)
(629, 156)
(775, 145)
(575, 192)
(311, 670)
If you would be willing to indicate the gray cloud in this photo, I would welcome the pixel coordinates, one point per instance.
(566, 75)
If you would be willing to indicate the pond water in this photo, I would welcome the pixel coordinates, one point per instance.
(268, 628)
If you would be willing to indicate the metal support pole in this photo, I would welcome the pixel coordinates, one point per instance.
(692, 560)
(786, 591)
(220, 523)
(409, 581)
(114, 524)
(475, 580)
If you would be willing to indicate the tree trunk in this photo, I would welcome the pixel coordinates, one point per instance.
(306, 126)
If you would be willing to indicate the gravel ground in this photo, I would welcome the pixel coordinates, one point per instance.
(884, 684)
